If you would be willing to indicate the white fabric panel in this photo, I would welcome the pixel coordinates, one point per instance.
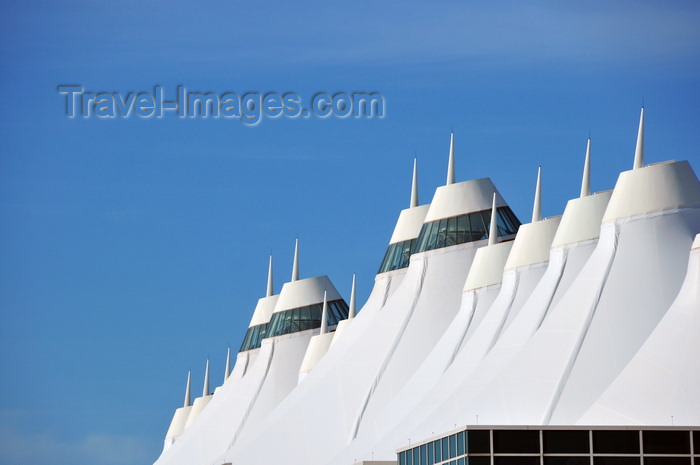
(660, 386)
(381, 358)
(439, 410)
(217, 426)
(643, 281)
(384, 285)
(436, 308)
(528, 387)
(474, 302)
(244, 360)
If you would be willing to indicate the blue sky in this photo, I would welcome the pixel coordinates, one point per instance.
(133, 249)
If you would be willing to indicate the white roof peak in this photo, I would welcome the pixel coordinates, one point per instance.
(205, 388)
(188, 397)
(639, 152)
(414, 184)
(324, 314)
(228, 364)
(451, 162)
(352, 312)
(270, 283)
(537, 207)
(295, 267)
(493, 229)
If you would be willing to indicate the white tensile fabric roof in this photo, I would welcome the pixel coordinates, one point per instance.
(594, 320)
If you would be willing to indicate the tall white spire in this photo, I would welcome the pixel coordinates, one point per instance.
(228, 364)
(295, 267)
(493, 230)
(205, 388)
(537, 207)
(586, 181)
(270, 285)
(451, 162)
(352, 312)
(324, 314)
(414, 185)
(188, 398)
(639, 152)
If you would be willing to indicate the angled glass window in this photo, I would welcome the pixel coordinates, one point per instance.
(398, 255)
(303, 318)
(460, 229)
(253, 336)
(478, 226)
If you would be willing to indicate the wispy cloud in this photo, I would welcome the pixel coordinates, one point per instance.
(93, 449)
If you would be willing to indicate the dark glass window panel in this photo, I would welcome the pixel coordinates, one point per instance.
(460, 443)
(272, 328)
(431, 456)
(666, 442)
(256, 337)
(504, 225)
(445, 449)
(666, 460)
(422, 239)
(434, 226)
(453, 446)
(423, 454)
(460, 462)
(512, 219)
(478, 461)
(438, 451)
(409, 457)
(615, 442)
(287, 327)
(316, 311)
(416, 456)
(295, 322)
(305, 318)
(616, 461)
(395, 260)
(245, 345)
(405, 254)
(696, 442)
(463, 229)
(402, 458)
(253, 337)
(567, 461)
(383, 265)
(478, 227)
(568, 442)
(516, 461)
(478, 441)
(486, 215)
(516, 441)
(451, 238)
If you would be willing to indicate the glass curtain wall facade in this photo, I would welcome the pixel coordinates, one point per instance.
(559, 446)
(308, 317)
